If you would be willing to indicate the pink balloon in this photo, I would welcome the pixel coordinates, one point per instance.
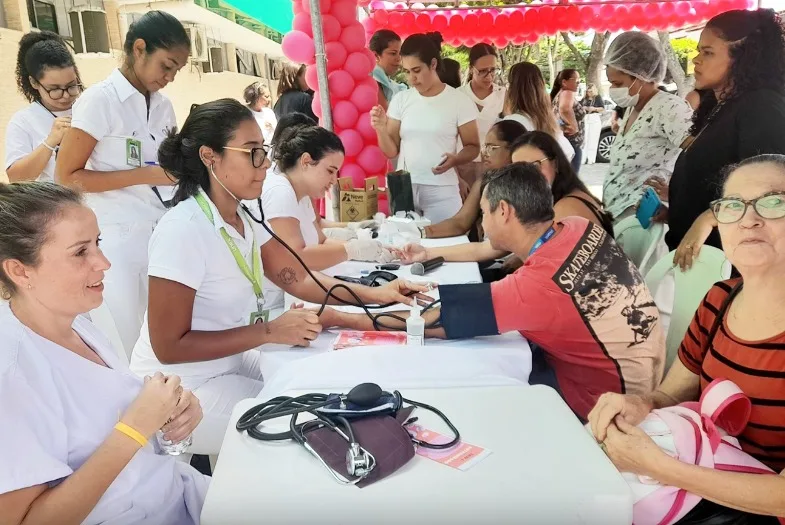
(316, 105)
(324, 6)
(312, 77)
(331, 28)
(352, 142)
(363, 125)
(302, 22)
(357, 65)
(299, 47)
(345, 11)
(345, 115)
(372, 160)
(365, 97)
(371, 57)
(370, 27)
(341, 84)
(353, 37)
(336, 55)
(356, 173)
(297, 7)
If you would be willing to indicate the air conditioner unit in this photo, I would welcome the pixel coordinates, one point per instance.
(198, 43)
(216, 59)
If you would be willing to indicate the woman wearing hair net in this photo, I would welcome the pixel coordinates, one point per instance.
(654, 126)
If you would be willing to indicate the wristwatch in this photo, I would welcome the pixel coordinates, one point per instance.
(422, 233)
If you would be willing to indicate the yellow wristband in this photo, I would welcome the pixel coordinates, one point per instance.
(131, 433)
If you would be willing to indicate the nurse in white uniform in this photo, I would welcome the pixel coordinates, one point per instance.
(47, 77)
(308, 159)
(76, 422)
(207, 314)
(112, 151)
(422, 126)
(257, 96)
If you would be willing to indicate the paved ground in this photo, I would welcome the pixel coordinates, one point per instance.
(593, 175)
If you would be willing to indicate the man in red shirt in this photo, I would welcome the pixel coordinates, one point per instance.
(581, 303)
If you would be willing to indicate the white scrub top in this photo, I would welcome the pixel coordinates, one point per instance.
(280, 201)
(187, 248)
(57, 408)
(26, 130)
(489, 107)
(115, 114)
(528, 123)
(267, 122)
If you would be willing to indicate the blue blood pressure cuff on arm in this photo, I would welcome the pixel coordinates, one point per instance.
(467, 310)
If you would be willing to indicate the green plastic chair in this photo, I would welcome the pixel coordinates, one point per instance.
(691, 287)
(638, 243)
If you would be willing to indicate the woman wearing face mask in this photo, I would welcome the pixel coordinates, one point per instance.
(77, 424)
(308, 160)
(570, 111)
(570, 197)
(207, 313)
(257, 96)
(423, 126)
(486, 95)
(293, 95)
(740, 72)
(386, 47)
(111, 153)
(746, 348)
(47, 77)
(527, 102)
(654, 125)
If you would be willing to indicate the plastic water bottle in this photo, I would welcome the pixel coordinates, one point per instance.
(173, 449)
(415, 327)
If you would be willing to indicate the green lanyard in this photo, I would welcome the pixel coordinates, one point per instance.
(255, 276)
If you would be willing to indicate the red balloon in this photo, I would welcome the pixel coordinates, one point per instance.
(500, 42)
(636, 14)
(439, 23)
(381, 17)
(297, 7)
(352, 143)
(353, 37)
(345, 11)
(531, 19)
(341, 84)
(396, 20)
(324, 6)
(372, 160)
(312, 77)
(573, 18)
(365, 97)
(358, 66)
(607, 11)
(456, 24)
(423, 22)
(371, 57)
(299, 47)
(355, 172)
(408, 19)
(336, 55)
(560, 19)
(651, 11)
(485, 22)
(363, 125)
(302, 22)
(331, 28)
(316, 106)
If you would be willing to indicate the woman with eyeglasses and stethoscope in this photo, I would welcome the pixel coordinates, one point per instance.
(47, 77)
(208, 315)
(111, 154)
(487, 95)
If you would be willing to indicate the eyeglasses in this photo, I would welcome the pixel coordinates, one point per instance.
(487, 71)
(730, 210)
(539, 163)
(57, 93)
(257, 154)
(490, 149)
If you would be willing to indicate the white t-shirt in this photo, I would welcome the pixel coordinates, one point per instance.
(114, 113)
(279, 200)
(649, 148)
(187, 248)
(429, 128)
(528, 123)
(489, 107)
(267, 122)
(57, 408)
(26, 130)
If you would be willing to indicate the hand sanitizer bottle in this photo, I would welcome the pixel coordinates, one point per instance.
(415, 327)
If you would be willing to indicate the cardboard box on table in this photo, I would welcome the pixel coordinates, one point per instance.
(358, 204)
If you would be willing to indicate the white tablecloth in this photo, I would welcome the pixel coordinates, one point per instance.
(544, 469)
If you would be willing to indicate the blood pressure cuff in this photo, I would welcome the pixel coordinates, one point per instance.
(467, 310)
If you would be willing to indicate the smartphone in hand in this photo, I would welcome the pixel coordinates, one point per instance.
(650, 203)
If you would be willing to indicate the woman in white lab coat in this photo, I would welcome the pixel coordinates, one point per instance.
(207, 314)
(47, 77)
(76, 422)
(111, 153)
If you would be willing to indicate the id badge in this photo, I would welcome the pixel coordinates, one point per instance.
(133, 153)
(260, 316)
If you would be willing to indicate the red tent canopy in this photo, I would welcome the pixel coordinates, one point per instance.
(527, 22)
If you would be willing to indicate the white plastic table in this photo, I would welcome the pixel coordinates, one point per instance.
(544, 469)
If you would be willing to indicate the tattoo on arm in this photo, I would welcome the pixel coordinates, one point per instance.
(288, 275)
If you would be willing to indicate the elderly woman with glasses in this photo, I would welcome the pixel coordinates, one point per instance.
(747, 347)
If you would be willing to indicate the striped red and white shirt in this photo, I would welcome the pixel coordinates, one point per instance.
(757, 367)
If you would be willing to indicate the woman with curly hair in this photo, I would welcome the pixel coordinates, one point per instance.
(47, 77)
(740, 73)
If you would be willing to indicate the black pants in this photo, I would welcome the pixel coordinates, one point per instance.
(709, 513)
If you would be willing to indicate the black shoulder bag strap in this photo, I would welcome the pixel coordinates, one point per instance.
(723, 309)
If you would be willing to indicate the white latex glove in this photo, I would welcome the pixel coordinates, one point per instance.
(409, 228)
(370, 223)
(339, 234)
(370, 251)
